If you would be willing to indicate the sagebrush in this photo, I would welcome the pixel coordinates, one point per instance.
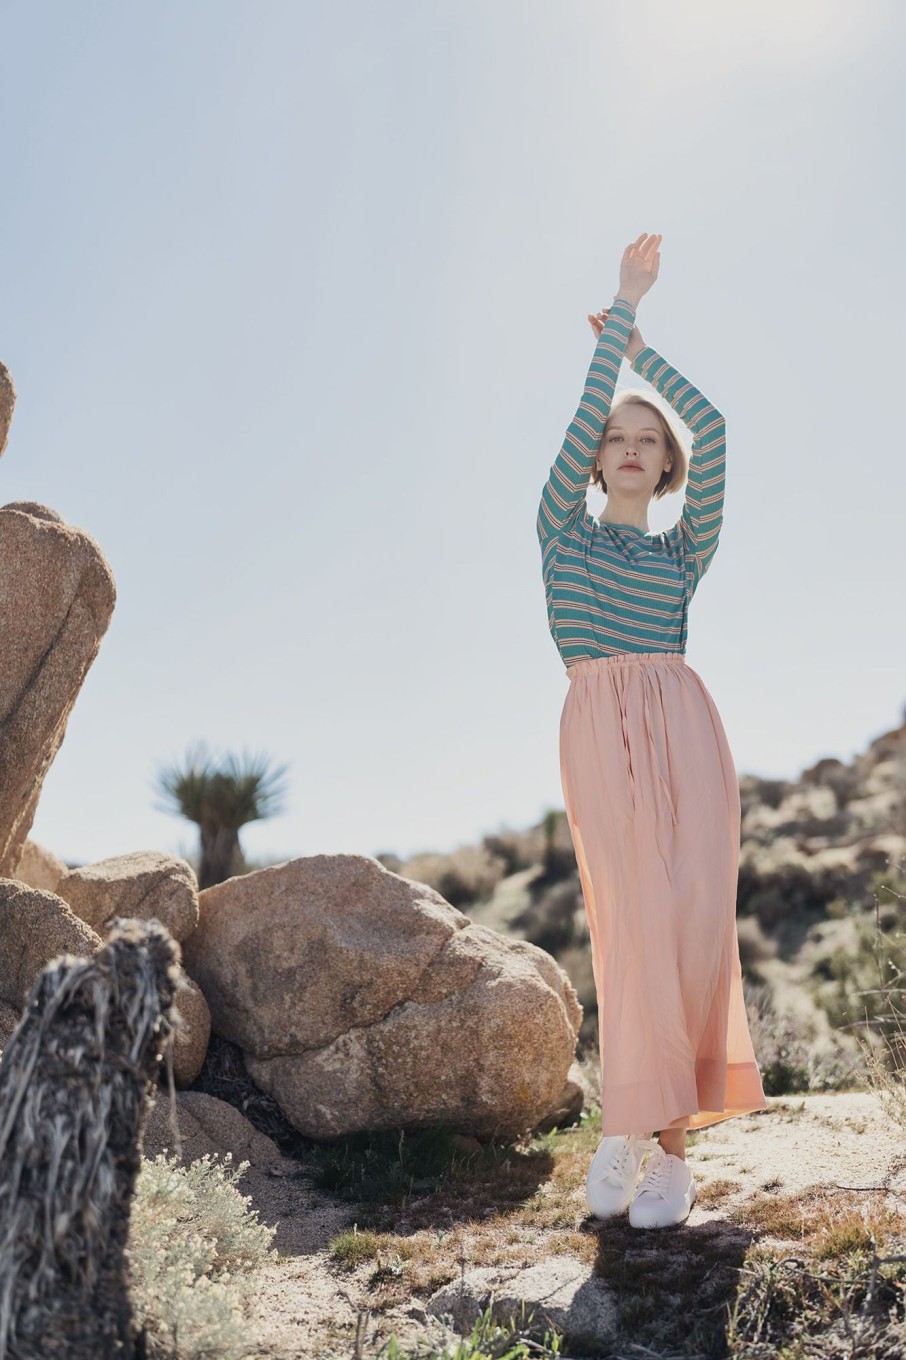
(195, 1245)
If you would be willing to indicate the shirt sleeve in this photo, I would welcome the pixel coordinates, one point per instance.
(563, 496)
(702, 516)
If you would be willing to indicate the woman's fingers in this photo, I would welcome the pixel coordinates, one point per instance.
(651, 244)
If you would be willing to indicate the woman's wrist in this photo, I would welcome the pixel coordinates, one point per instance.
(626, 296)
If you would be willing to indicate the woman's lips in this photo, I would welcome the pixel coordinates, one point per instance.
(633, 467)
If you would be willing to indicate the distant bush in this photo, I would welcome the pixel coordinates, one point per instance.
(553, 921)
(753, 790)
(789, 890)
(754, 945)
(194, 1247)
(517, 850)
(558, 858)
(784, 1047)
(466, 875)
(391, 861)
(831, 773)
(862, 986)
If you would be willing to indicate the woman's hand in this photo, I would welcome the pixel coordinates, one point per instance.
(635, 344)
(638, 271)
(639, 267)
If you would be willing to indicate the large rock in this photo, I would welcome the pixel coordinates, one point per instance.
(192, 1032)
(207, 1126)
(39, 867)
(35, 927)
(145, 884)
(563, 1292)
(576, 1096)
(55, 605)
(363, 1000)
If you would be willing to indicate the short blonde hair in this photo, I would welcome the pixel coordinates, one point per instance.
(676, 445)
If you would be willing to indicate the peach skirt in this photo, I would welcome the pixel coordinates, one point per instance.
(652, 800)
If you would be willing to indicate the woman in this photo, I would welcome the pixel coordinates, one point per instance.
(649, 783)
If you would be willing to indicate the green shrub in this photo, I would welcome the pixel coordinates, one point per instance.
(194, 1246)
(515, 1337)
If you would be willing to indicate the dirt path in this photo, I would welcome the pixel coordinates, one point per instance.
(309, 1305)
(843, 1139)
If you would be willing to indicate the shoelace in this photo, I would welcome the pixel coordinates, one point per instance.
(624, 1165)
(657, 1176)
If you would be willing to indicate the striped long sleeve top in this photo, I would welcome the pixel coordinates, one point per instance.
(612, 587)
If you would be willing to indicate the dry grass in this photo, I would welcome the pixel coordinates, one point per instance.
(720, 1288)
(825, 1221)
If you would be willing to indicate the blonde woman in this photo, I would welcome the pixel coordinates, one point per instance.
(649, 782)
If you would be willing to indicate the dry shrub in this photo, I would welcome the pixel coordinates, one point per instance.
(194, 1248)
(517, 849)
(554, 920)
(860, 986)
(785, 1047)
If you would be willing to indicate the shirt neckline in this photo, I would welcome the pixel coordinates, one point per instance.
(615, 524)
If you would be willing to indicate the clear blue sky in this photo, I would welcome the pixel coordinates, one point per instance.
(295, 299)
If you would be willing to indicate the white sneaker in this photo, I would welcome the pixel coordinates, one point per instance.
(666, 1194)
(614, 1171)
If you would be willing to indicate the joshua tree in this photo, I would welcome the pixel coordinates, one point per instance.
(220, 799)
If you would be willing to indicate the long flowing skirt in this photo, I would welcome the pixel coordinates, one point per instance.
(652, 801)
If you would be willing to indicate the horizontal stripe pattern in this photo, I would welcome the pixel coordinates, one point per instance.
(612, 588)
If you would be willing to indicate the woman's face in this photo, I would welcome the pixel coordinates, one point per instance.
(633, 454)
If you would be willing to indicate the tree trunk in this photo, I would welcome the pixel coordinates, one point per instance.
(219, 852)
(74, 1086)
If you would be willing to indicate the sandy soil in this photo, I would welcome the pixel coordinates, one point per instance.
(309, 1306)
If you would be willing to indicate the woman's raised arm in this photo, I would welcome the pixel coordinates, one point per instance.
(563, 496)
(703, 508)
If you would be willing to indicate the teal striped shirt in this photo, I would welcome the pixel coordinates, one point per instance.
(614, 588)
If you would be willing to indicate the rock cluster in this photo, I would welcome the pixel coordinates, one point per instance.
(37, 925)
(360, 999)
(363, 1000)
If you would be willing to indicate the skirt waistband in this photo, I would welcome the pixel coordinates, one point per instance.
(593, 663)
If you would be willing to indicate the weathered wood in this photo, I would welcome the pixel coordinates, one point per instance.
(75, 1081)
